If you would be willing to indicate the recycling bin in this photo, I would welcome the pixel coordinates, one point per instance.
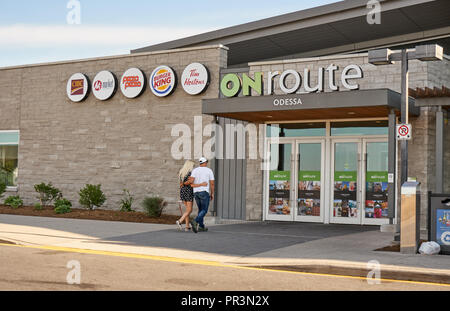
(439, 220)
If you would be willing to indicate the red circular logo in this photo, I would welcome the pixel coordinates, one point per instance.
(98, 85)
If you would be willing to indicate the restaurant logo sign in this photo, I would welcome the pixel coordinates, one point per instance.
(195, 79)
(232, 84)
(162, 81)
(104, 85)
(132, 83)
(77, 87)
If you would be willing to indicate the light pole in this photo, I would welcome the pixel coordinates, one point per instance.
(432, 52)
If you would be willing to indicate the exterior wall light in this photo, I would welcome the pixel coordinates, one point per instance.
(380, 57)
(427, 53)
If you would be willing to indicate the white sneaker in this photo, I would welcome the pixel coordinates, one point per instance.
(179, 225)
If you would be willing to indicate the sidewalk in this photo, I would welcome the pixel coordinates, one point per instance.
(292, 246)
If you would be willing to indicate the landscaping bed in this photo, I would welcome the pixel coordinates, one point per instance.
(97, 214)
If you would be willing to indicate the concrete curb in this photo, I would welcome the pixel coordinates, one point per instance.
(310, 266)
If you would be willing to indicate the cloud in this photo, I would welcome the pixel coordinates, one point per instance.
(38, 36)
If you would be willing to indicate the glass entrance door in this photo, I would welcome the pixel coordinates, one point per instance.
(375, 194)
(344, 180)
(309, 181)
(346, 158)
(359, 182)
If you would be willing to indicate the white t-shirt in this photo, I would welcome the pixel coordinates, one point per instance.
(201, 175)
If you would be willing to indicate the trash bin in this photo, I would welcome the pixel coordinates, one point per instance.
(439, 220)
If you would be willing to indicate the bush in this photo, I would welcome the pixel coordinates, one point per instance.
(2, 189)
(154, 206)
(47, 193)
(14, 201)
(38, 207)
(63, 206)
(126, 202)
(92, 196)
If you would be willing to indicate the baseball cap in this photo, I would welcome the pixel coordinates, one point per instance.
(202, 160)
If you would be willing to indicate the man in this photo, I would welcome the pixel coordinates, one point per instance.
(203, 194)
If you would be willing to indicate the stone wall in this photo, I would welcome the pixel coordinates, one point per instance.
(120, 143)
(11, 86)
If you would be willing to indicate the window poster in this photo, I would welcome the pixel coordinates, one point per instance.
(345, 201)
(376, 195)
(308, 193)
(279, 192)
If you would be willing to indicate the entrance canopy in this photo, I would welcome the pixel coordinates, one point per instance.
(319, 106)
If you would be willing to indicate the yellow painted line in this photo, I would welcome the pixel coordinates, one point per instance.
(209, 263)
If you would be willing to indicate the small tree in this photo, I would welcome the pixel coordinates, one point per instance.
(91, 196)
(47, 193)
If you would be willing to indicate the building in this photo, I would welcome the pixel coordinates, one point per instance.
(303, 77)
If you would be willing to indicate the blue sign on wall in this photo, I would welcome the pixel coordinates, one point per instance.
(443, 226)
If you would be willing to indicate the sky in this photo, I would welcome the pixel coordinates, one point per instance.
(55, 30)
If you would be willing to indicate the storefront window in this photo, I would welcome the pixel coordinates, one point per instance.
(359, 128)
(297, 130)
(9, 145)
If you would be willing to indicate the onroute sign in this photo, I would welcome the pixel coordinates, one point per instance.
(404, 132)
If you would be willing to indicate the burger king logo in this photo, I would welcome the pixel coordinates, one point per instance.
(132, 83)
(162, 81)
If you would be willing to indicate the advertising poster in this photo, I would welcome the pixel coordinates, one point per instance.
(308, 193)
(279, 192)
(443, 227)
(376, 195)
(345, 201)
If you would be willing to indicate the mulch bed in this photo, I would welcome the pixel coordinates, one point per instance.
(93, 215)
(394, 247)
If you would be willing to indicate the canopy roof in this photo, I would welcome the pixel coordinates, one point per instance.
(340, 27)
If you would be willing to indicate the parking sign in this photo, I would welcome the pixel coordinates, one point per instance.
(404, 132)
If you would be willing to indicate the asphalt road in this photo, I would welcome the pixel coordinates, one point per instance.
(46, 270)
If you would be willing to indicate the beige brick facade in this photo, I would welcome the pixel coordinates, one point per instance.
(120, 143)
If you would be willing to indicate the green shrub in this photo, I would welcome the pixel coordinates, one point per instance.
(47, 193)
(2, 189)
(63, 206)
(14, 201)
(92, 196)
(154, 206)
(38, 207)
(126, 202)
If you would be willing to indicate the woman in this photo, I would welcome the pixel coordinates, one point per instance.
(187, 193)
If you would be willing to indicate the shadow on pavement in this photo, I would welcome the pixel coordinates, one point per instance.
(239, 239)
